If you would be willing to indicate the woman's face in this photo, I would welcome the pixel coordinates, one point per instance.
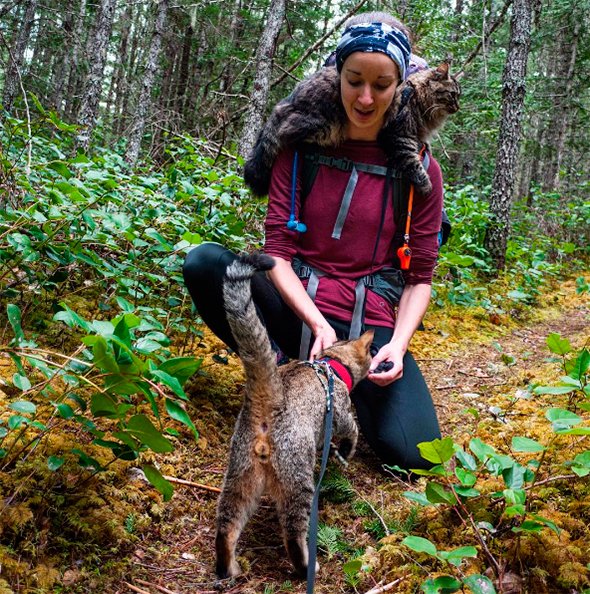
(367, 83)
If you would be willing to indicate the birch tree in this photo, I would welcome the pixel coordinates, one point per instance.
(96, 50)
(513, 93)
(144, 101)
(263, 70)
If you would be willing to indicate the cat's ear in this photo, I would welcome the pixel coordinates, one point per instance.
(366, 339)
(443, 70)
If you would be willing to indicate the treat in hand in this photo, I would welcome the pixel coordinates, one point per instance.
(383, 366)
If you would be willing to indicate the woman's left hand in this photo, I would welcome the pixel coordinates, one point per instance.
(394, 354)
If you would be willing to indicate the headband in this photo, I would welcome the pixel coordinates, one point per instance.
(375, 37)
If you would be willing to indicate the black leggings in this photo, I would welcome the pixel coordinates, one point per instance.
(393, 419)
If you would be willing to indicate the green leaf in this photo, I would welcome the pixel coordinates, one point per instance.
(53, 463)
(554, 390)
(456, 556)
(158, 481)
(181, 367)
(524, 444)
(15, 421)
(103, 359)
(352, 567)
(558, 345)
(479, 584)
(466, 477)
(140, 427)
(65, 411)
(420, 545)
(581, 464)
(466, 491)
(480, 449)
(14, 317)
(23, 406)
(444, 584)
(581, 366)
(178, 413)
(171, 382)
(562, 419)
(437, 451)
(466, 459)
(419, 498)
(436, 493)
(102, 405)
(86, 461)
(71, 318)
(21, 382)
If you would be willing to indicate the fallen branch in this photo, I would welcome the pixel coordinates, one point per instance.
(385, 588)
(178, 481)
(136, 589)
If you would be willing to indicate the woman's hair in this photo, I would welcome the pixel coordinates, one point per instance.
(378, 17)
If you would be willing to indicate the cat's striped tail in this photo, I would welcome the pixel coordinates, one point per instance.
(263, 385)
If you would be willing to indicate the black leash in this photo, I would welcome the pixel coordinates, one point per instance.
(313, 519)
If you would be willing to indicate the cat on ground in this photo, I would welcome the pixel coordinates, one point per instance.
(313, 115)
(281, 425)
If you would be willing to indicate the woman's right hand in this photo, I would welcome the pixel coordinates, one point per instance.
(325, 337)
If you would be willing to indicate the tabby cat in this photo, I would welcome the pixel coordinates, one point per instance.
(313, 114)
(280, 427)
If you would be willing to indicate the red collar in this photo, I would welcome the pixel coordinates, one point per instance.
(340, 370)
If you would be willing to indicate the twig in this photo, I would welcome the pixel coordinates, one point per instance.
(136, 589)
(385, 588)
(496, 24)
(317, 44)
(161, 588)
(173, 479)
(387, 531)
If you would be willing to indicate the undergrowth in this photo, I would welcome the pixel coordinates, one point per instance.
(97, 340)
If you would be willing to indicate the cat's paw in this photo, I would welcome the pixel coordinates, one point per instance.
(230, 571)
(424, 186)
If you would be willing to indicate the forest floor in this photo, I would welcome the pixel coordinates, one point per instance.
(118, 537)
(478, 368)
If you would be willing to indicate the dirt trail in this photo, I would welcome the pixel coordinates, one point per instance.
(469, 372)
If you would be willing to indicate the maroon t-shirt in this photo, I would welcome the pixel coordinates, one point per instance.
(349, 258)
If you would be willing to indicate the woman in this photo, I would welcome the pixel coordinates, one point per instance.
(394, 408)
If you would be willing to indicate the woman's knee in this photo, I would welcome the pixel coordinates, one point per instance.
(203, 261)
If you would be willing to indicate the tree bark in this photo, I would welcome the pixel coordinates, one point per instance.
(144, 101)
(17, 56)
(513, 93)
(562, 112)
(73, 67)
(98, 45)
(261, 85)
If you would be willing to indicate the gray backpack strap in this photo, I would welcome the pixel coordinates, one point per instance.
(356, 323)
(312, 288)
(345, 204)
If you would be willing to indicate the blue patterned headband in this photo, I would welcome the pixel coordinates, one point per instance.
(375, 37)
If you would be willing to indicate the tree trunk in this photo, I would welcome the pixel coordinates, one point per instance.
(72, 81)
(144, 101)
(98, 45)
(513, 93)
(60, 73)
(16, 58)
(261, 86)
(119, 80)
(562, 112)
(183, 73)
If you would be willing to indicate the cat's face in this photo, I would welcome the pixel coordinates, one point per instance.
(438, 90)
(355, 354)
(367, 84)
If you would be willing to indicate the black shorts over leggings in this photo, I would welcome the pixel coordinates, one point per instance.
(393, 419)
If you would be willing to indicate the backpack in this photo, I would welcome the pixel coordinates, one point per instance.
(310, 164)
